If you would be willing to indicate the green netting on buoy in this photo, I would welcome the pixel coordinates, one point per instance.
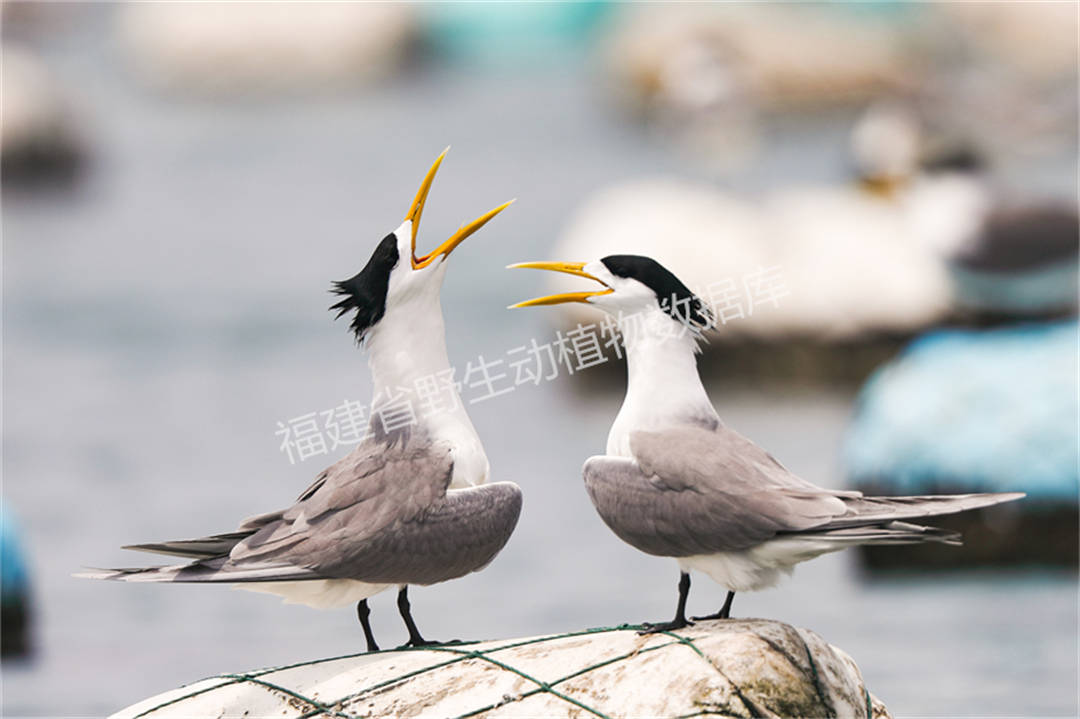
(461, 653)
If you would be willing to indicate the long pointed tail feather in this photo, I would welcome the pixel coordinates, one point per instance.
(891, 533)
(203, 572)
(865, 511)
(216, 545)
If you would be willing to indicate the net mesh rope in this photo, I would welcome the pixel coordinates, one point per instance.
(461, 653)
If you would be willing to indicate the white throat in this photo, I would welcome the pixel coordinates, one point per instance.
(663, 386)
(407, 355)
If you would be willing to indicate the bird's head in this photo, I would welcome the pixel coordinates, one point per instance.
(633, 284)
(892, 147)
(395, 276)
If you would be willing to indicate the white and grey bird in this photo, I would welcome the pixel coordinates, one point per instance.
(677, 482)
(411, 504)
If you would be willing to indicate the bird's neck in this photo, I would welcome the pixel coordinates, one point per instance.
(410, 371)
(663, 386)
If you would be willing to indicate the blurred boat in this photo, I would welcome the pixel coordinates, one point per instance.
(15, 611)
(786, 56)
(825, 272)
(1008, 257)
(1021, 263)
(855, 267)
(923, 238)
(1004, 72)
(703, 75)
(1037, 40)
(515, 34)
(253, 48)
(977, 411)
(40, 142)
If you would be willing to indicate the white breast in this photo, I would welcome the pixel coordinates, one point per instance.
(759, 567)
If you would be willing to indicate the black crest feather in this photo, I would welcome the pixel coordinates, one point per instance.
(674, 297)
(365, 292)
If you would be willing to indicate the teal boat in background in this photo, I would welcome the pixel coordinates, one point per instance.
(968, 410)
(15, 613)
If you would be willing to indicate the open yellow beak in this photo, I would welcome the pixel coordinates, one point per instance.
(417, 209)
(570, 268)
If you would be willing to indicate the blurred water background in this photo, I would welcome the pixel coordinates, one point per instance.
(165, 311)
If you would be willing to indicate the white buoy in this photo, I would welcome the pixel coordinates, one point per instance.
(735, 668)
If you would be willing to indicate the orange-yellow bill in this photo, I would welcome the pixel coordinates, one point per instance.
(570, 268)
(416, 210)
(417, 207)
(458, 237)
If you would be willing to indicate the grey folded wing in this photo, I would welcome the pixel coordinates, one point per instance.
(700, 491)
(694, 491)
(348, 512)
(458, 534)
(719, 459)
(865, 511)
(350, 505)
(670, 516)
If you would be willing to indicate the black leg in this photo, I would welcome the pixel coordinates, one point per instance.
(415, 640)
(680, 613)
(364, 612)
(725, 611)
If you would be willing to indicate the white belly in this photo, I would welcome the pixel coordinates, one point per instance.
(317, 593)
(759, 567)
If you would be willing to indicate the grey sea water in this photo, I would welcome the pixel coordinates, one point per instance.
(163, 316)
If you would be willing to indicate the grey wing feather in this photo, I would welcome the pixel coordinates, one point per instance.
(203, 548)
(889, 533)
(361, 496)
(694, 491)
(349, 508)
(698, 491)
(863, 511)
(717, 460)
(459, 534)
(218, 545)
(650, 514)
(213, 571)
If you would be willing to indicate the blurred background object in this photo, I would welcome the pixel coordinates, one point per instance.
(1037, 43)
(1007, 255)
(16, 612)
(515, 35)
(844, 253)
(978, 411)
(705, 72)
(41, 142)
(832, 175)
(1021, 262)
(250, 48)
(1004, 72)
(921, 235)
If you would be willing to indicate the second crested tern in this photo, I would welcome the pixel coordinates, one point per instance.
(676, 482)
(411, 504)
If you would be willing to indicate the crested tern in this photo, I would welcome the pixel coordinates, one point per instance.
(411, 504)
(677, 482)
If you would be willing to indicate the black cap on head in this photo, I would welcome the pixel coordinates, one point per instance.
(674, 297)
(365, 292)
